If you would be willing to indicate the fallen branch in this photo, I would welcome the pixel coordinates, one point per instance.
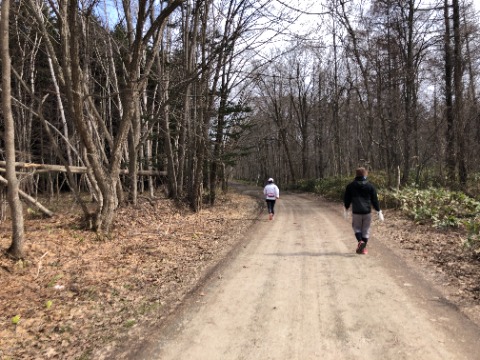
(30, 200)
(40, 264)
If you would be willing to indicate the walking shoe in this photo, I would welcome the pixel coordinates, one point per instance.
(358, 247)
(270, 216)
(361, 247)
(365, 251)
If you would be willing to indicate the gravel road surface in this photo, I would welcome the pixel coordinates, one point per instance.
(297, 290)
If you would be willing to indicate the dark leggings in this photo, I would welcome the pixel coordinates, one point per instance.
(270, 206)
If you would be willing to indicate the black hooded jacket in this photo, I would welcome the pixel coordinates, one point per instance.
(361, 195)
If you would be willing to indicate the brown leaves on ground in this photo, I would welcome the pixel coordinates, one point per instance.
(74, 293)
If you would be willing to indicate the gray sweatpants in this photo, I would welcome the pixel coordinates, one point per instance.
(361, 224)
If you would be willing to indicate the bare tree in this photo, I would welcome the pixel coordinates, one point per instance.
(74, 79)
(16, 248)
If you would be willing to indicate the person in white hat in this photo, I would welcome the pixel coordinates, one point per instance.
(272, 193)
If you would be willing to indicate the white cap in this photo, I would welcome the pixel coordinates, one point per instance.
(270, 180)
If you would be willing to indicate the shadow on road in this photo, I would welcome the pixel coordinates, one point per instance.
(307, 253)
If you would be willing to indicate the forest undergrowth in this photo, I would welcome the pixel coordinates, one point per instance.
(73, 294)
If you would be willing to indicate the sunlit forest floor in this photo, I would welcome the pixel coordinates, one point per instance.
(73, 293)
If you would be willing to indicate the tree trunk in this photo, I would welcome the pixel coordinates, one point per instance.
(473, 109)
(367, 100)
(203, 118)
(458, 85)
(410, 101)
(319, 130)
(172, 170)
(16, 248)
(133, 141)
(450, 130)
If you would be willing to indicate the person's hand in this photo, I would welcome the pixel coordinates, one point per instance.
(380, 216)
(345, 214)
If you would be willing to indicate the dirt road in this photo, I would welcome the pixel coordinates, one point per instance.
(297, 290)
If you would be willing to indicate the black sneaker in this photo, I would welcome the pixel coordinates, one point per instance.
(361, 247)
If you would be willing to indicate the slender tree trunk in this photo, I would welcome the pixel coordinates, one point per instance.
(202, 119)
(335, 108)
(196, 193)
(319, 130)
(172, 170)
(450, 130)
(16, 248)
(458, 85)
(473, 110)
(133, 141)
(216, 157)
(367, 100)
(410, 101)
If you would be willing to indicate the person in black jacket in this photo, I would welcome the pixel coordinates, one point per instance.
(362, 196)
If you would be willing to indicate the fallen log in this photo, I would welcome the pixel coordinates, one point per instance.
(76, 169)
(28, 199)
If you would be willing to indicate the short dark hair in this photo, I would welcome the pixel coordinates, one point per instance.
(361, 171)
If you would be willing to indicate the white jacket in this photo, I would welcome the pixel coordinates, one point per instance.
(271, 192)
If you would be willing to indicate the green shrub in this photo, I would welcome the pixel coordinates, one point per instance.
(442, 208)
(436, 204)
(333, 188)
(307, 185)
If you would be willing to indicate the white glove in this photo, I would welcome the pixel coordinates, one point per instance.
(380, 216)
(345, 214)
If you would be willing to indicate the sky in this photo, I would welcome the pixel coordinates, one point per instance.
(310, 11)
